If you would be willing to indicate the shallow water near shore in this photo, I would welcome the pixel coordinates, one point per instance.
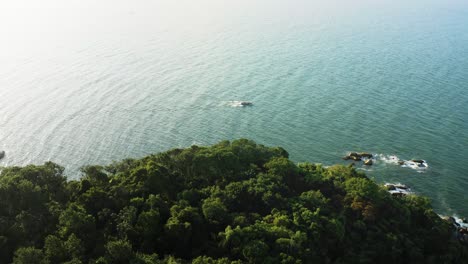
(88, 83)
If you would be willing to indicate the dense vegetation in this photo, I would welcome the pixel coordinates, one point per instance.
(234, 202)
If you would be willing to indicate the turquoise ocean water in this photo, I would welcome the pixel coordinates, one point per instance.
(88, 83)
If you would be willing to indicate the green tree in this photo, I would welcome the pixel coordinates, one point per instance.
(214, 211)
(119, 251)
(28, 255)
(233, 202)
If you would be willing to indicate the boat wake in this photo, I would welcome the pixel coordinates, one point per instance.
(239, 103)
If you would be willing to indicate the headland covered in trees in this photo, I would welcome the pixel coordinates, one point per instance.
(233, 202)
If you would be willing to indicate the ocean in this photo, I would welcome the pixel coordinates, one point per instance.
(91, 82)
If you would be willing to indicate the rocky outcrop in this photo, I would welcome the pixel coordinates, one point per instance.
(462, 235)
(463, 231)
(460, 229)
(451, 220)
(358, 156)
(398, 190)
(366, 155)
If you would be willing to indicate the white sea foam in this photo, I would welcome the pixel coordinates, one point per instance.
(460, 221)
(394, 159)
(365, 168)
(390, 159)
(399, 188)
(420, 167)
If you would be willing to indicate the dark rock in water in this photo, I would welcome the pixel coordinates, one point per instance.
(245, 103)
(368, 162)
(464, 220)
(418, 161)
(463, 231)
(2, 154)
(357, 156)
(401, 162)
(390, 187)
(366, 155)
(352, 165)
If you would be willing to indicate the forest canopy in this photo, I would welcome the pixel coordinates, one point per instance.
(233, 202)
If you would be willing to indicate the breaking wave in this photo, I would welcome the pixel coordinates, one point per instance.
(398, 188)
(418, 165)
